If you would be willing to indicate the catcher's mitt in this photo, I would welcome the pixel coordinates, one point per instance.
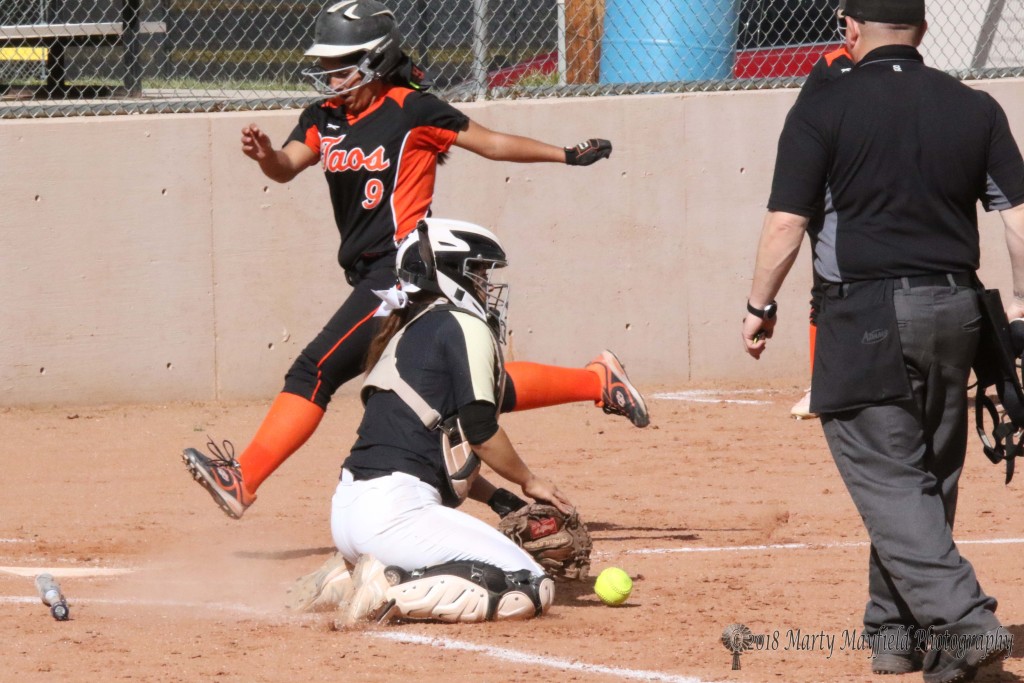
(560, 543)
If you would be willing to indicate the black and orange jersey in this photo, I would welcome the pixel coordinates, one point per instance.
(380, 166)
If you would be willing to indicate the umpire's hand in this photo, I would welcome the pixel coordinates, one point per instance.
(756, 333)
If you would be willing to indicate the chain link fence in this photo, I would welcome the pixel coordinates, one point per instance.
(68, 57)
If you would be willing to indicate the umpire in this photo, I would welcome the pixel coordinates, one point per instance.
(904, 153)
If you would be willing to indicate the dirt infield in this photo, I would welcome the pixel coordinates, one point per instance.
(722, 512)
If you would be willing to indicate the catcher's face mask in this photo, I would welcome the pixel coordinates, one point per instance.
(490, 291)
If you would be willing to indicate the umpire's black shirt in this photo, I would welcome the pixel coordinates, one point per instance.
(904, 152)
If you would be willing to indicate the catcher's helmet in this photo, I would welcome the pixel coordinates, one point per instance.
(363, 34)
(455, 259)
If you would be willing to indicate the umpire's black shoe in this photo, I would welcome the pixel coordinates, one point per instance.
(894, 651)
(961, 658)
(897, 662)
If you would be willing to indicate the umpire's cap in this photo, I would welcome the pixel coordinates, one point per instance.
(885, 11)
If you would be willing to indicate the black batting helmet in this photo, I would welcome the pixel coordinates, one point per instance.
(364, 30)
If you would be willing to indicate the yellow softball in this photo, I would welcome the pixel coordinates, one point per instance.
(613, 586)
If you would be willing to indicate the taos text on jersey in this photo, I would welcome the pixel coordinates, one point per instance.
(350, 159)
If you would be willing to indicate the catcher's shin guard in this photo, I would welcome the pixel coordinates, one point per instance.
(527, 596)
(469, 592)
(443, 597)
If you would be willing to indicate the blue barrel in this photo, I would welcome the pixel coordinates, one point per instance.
(668, 40)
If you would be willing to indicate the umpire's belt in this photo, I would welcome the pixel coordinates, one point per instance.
(842, 289)
(934, 280)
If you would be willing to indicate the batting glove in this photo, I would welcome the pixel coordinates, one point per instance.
(587, 152)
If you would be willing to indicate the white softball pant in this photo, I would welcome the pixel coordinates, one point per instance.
(400, 520)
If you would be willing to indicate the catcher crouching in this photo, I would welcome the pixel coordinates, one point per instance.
(431, 399)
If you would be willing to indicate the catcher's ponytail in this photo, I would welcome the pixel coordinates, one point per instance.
(393, 323)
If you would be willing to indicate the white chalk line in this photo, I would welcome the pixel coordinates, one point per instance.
(235, 607)
(397, 636)
(734, 401)
(86, 572)
(712, 396)
(66, 572)
(713, 392)
(520, 657)
(505, 654)
(797, 546)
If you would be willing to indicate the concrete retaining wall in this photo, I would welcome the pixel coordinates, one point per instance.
(145, 259)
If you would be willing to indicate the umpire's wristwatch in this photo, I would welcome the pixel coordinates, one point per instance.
(766, 313)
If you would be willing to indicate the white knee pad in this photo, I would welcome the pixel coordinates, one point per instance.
(517, 604)
(444, 598)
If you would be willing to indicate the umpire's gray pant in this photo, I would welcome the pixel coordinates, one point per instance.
(901, 463)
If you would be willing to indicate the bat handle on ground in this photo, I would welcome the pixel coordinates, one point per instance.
(49, 593)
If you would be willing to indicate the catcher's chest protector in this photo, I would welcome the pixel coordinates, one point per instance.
(461, 464)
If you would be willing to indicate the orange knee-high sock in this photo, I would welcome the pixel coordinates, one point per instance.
(811, 339)
(290, 421)
(539, 386)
